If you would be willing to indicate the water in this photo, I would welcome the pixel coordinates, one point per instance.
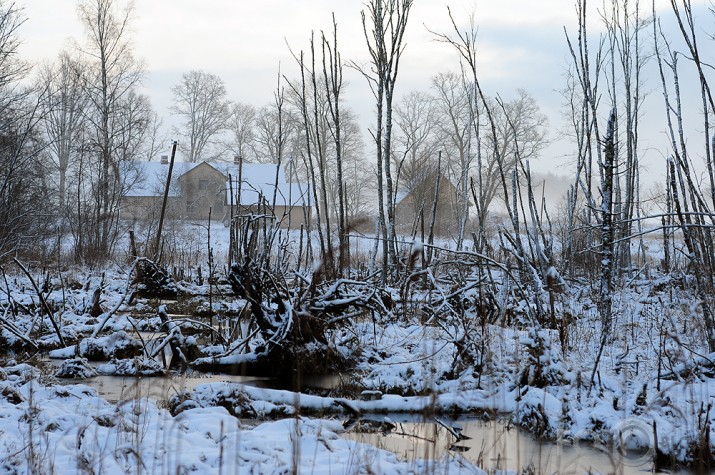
(495, 445)
(122, 388)
(492, 445)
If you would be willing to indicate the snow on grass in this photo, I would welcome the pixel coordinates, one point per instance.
(654, 371)
(69, 429)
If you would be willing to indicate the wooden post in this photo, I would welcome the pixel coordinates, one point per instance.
(231, 227)
(157, 245)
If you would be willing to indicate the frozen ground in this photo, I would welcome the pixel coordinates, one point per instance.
(651, 393)
(68, 429)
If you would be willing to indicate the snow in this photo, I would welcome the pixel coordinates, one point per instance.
(655, 371)
(72, 430)
(149, 178)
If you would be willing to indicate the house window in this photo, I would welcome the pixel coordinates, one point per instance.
(204, 185)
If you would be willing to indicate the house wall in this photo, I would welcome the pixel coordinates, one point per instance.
(149, 207)
(286, 216)
(202, 188)
(293, 216)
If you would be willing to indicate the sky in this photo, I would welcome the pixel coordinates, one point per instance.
(246, 41)
(521, 45)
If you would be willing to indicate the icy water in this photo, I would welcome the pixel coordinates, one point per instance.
(496, 446)
(162, 388)
(492, 445)
(122, 388)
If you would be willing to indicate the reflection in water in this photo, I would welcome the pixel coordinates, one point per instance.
(122, 388)
(496, 446)
(492, 445)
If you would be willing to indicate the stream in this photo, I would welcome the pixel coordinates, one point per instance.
(496, 445)
(493, 445)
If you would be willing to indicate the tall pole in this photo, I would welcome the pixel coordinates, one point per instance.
(157, 245)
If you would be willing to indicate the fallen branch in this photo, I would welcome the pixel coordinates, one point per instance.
(107, 315)
(14, 330)
(43, 302)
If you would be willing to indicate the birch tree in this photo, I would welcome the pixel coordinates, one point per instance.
(309, 96)
(384, 25)
(582, 95)
(113, 75)
(693, 214)
(64, 121)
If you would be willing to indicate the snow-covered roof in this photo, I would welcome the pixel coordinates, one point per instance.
(149, 178)
(289, 194)
(252, 172)
(260, 179)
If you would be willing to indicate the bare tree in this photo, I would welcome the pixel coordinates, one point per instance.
(384, 26)
(309, 98)
(692, 211)
(333, 79)
(357, 174)
(23, 182)
(134, 128)
(112, 77)
(465, 44)
(582, 95)
(454, 134)
(269, 137)
(626, 59)
(200, 101)
(22, 174)
(520, 136)
(415, 118)
(157, 137)
(12, 68)
(241, 127)
(64, 120)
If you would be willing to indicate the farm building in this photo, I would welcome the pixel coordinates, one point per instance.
(416, 205)
(197, 188)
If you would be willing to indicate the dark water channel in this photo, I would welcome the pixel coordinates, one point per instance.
(122, 388)
(495, 445)
(492, 445)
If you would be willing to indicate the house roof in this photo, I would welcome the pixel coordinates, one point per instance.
(252, 172)
(149, 178)
(288, 194)
(429, 181)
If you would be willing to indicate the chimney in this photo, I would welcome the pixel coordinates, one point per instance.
(164, 159)
(236, 159)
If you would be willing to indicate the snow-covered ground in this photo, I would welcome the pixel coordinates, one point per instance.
(650, 394)
(69, 429)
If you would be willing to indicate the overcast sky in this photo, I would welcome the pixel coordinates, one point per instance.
(521, 44)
